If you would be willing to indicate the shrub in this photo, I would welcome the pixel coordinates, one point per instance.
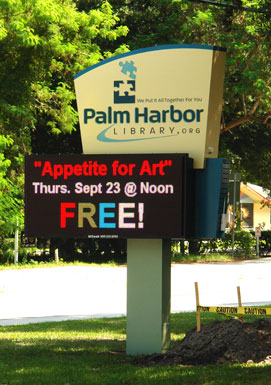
(244, 244)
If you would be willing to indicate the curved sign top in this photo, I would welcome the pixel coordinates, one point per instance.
(164, 99)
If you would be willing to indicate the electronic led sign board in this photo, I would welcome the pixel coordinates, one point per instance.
(106, 196)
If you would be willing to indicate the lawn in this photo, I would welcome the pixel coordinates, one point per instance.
(92, 352)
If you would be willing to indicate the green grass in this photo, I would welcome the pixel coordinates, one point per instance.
(92, 352)
(35, 264)
(211, 257)
(176, 258)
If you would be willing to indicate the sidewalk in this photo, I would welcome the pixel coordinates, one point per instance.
(78, 292)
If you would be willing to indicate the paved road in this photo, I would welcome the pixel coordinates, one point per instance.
(76, 292)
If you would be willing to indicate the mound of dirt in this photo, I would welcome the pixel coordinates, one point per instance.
(219, 342)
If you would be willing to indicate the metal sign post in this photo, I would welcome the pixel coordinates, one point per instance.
(257, 235)
(148, 296)
(236, 179)
(16, 243)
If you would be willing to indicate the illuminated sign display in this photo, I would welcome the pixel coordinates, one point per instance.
(106, 196)
(164, 99)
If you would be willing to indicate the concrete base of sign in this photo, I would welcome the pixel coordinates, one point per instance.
(148, 296)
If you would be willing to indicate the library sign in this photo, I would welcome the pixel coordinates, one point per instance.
(106, 196)
(144, 116)
(164, 99)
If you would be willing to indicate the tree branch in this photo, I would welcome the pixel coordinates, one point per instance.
(244, 119)
(228, 126)
(247, 117)
(254, 108)
(15, 14)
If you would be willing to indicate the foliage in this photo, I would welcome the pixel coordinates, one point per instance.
(210, 257)
(221, 249)
(43, 44)
(6, 251)
(265, 242)
(11, 196)
(244, 244)
(69, 250)
(244, 29)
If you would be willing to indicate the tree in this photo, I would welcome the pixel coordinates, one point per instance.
(243, 27)
(43, 44)
(9, 208)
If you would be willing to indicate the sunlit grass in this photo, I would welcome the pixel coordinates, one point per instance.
(92, 352)
(54, 264)
(211, 257)
(176, 258)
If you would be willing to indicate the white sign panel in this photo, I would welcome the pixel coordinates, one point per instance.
(164, 99)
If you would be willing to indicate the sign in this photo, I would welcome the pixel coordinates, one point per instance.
(258, 232)
(234, 188)
(164, 99)
(234, 310)
(27, 242)
(106, 196)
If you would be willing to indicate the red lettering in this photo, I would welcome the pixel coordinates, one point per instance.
(58, 170)
(103, 169)
(78, 169)
(95, 168)
(145, 168)
(159, 167)
(155, 168)
(68, 170)
(122, 169)
(65, 214)
(47, 168)
(115, 165)
(85, 168)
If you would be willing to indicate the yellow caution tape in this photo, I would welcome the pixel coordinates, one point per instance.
(234, 310)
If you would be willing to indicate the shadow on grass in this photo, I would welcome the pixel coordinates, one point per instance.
(92, 352)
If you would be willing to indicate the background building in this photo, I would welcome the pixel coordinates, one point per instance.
(255, 206)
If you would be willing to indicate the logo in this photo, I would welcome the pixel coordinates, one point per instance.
(131, 122)
(124, 90)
